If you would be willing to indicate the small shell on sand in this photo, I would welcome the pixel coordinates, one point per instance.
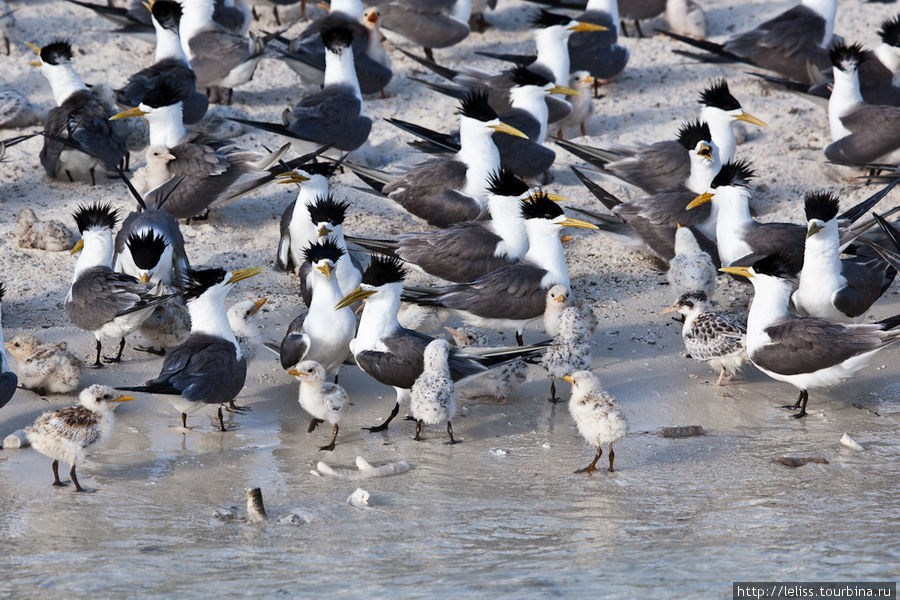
(359, 498)
(795, 461)
(848, 441)
(15, 440)
(366, 470)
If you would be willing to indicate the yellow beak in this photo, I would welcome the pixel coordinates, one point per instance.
(588, 80)
(258, 305)
(131, 112)
(35, 63)
(565, 91)
(326, 269)
(814, 228)
(124, 399)
(242, 274)
(354, 296)
(78, 247)
(569, 379)
(570, 222)
(291, 177)
(508, 129)
(666, 311)
(556, 198)
(144, 278)
(294, 372)
(323, 231)
(35, 47)
(742, 271)
(748, 118)
(325, 5)
(560, 298)
(588, 27)
(700, 200)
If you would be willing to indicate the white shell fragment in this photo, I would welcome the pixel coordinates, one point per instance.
(848, 441)
(366, 470)
(359, 498)
(15, 440)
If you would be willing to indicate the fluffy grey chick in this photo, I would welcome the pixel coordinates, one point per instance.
(321, 399)
(45, 368)
(691, 268)
(559, 297)
(686, 17)
(166, 327)
(711, 336)
(582, 104)
(596, 415)
(499, 381)
(244, 320)
(433, 395)
(50, 235)
(570, 350)
(15, 109)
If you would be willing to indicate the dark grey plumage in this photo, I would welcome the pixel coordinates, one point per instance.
(99, 295)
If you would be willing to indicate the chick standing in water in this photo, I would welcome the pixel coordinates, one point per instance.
(433, 397)
(596, 415)
(65, 434)
(321, 399)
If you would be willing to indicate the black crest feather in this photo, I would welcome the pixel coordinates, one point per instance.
(544, 18)
(167, 14)
(539, 206)
(717, 94)
(692, 133)
(98, 215)
(325, 168)
(165, 93)
(738, 173)
(200, 280)
(821, 205)
(146, 248)
(337, 38)
(328, 210)
(475, 106)
(327, 249)
(776, 265)
(890, 31)
(842, 55)
(522, 76)
(689, 299)
(383, 270)
(504, 183)
(56, 52)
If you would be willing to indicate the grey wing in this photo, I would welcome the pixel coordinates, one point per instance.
(295, 345)
(654, 167)
(807, 344)
(303, 273)
(511, 292)
(283, 257)
(714, 335)
(331, 117)
(100, 295)
(401, 364)
(524, 158)
(866, 282)
(202, 369)
(668, 207)
(423, 24)
(215, 53)
(874, 132)
(431, 191)
(460, 253)
(787, 238)
(8, 383)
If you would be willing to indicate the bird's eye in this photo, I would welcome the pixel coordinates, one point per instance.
(309, 370)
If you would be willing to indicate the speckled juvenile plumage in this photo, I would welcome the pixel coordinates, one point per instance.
(712, 336)
(244, 320)
(691, 268)
(321, 399)
(50, 235)
(571, 348)
(596, 415)
(433, 395)
(45, 368)
(497, 383)
(166, 327)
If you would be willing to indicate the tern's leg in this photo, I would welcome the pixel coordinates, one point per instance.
(93, 180)
(221, 421)
(429, 54)
(804, 395)
(520, 341)
(78, 488)
(277, 18)
(56, 480)
(330, 446)
(336, 378)
(302, 9)
(795, 405)
(721, 377)
(234, 408)
(450, 433)
(553, 397)
(253, 12)
(6, 44)
(637, 24)
(118, 356)
(384, 425)
(624, 29)
(583, 131)
(184, 420)
(612, 457)
(593, 466)
(150, 350)
(69, 175)
(313, 424)
(418, 436)
(97, 364)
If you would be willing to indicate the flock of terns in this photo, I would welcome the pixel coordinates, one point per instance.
(495, 241)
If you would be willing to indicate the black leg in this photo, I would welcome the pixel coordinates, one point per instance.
(78, 488)
(384, 425)
(93, 181)
(624, 29)
(519, 340)
(69, 175)
(450, 433)
(612, 457)
(118, 356)
(253, 12)
(313, 424)
(429, 54)
(593, 466)
(418, 436)
(804, 395)
(330, 446)
(56, 480)
(796, 404)
(277, 19)
(221, 421)
(234, 408)
(596, 95)
(97, 364)
(230, 93)
(184, 420)
(553, 397)
(637, 24)
(336, 378)
(160, 352)
(127, 160)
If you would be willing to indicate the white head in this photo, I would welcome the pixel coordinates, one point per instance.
(95, 223)
(205, 292)
(435, 357)
(244, 317)
(162, 107)
(685, 242)
(308, 372)
(583, 382)
(101, 398)
(696, 138)
(55, 61)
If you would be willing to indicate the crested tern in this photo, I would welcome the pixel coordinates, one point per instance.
(45, 368)
(806, 352)
(101, 301)
(65, 435)
(713, 337)
(596, 415)
(324, 401)
(426, 23)
(432, 398)
(208, 367)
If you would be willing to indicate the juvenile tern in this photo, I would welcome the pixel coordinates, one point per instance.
(686, 17)
(691, 268)
(596, 415)
(78, 137)
(571, 347)
(788, 44)
(65, 435)
(582, 104)
(208, 368)
(321, 399)
(806, 352)
(101, 301)
(8, 379)
(713, 337)
(393, 355)
(45, 368)
(432, 398)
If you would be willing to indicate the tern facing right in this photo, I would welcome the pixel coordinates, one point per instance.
(806, 352)
(596, 415)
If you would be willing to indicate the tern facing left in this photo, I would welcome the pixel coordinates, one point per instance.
(64, 435)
